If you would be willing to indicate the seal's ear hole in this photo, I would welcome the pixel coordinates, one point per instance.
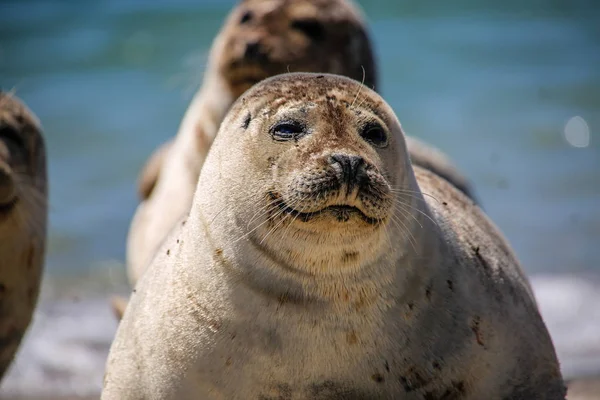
(288, 130)
(375, 134)
(246, 17)
(310, 27)
(247, 120)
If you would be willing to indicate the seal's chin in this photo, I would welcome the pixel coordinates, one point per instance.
(244, 74)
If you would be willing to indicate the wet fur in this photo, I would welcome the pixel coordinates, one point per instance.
(22, 222)
(430, 304)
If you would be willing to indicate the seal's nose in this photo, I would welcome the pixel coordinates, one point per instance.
(254, 51)
(351, 168)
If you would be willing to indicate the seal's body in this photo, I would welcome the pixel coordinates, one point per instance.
(23, 217)
(260, 38)
(315, 264)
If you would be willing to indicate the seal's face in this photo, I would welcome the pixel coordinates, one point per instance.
(310, 167)
(262, 38)
(331, 155)
(21, 156)
(328, 169)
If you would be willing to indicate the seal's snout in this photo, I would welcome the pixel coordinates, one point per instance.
(351, 170)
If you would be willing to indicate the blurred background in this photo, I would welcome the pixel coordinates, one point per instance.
(509, 89)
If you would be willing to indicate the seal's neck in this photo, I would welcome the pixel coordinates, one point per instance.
(205, 113)
(385, 266)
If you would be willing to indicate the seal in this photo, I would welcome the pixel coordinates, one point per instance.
(316, 264)
(433, 159)
(23, 219)
(259, 39)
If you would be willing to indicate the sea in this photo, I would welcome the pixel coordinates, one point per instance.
(510, 90)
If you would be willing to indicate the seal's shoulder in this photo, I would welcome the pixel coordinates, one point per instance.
(477, 241)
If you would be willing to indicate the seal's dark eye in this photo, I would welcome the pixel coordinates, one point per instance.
(247, 16)
(288, 130)
(374, 134)
(310, 27)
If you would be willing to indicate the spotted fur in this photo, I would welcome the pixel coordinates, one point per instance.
(249, 300)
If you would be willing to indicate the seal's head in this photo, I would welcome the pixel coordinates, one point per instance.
(22, 159)
(317, 158)
(262, 38)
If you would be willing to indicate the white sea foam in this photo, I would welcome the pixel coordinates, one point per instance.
(66, 349)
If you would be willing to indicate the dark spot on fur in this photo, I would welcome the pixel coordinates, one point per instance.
(183, 223)
(436, 365)
(228, 362)
(428, 291)
(351, 337)
(177, 240)
(450, 285)
(410, 306)
(246, 122)
(320, 77)
(378, 378)
(444, 203)
(412, 381)
(134, 290)
(281, 391)
(349, 256)
(215, 324)
(329, 390)
(168, 251)
(475, 328)
(455, 392)
(2, 289)
(218, 252)
(481, 260)
(331, 98)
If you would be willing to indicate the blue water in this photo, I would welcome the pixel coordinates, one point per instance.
(491, 83)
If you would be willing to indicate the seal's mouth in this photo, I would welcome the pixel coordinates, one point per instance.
(342, 212)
